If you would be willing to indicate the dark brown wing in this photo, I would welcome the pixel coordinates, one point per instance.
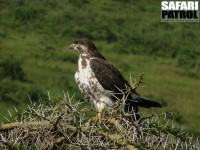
(107, 75)
(111, 79)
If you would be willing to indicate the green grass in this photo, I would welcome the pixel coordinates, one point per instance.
(130, 35)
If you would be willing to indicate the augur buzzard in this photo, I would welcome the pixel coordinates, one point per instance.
(101, 83)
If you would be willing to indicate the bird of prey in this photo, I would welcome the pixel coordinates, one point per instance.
(101, 83)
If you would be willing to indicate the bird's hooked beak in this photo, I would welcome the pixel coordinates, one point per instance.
(71, 46)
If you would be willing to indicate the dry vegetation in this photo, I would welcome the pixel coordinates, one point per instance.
(64, 125)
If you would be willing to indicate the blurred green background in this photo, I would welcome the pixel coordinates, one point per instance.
(35, 58)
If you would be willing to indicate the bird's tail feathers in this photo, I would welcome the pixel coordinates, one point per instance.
(144, 102)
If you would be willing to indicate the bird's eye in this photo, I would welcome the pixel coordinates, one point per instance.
(75, 42)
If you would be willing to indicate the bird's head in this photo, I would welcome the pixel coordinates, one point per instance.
(83, 46)
(86, 47)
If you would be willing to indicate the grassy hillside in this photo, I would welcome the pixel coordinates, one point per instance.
(35, 36)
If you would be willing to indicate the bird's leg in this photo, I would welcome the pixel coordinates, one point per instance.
(98, 117)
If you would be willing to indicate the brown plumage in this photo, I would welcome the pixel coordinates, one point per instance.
(102, 83)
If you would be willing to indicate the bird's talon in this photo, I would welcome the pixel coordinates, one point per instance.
(97, 118)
